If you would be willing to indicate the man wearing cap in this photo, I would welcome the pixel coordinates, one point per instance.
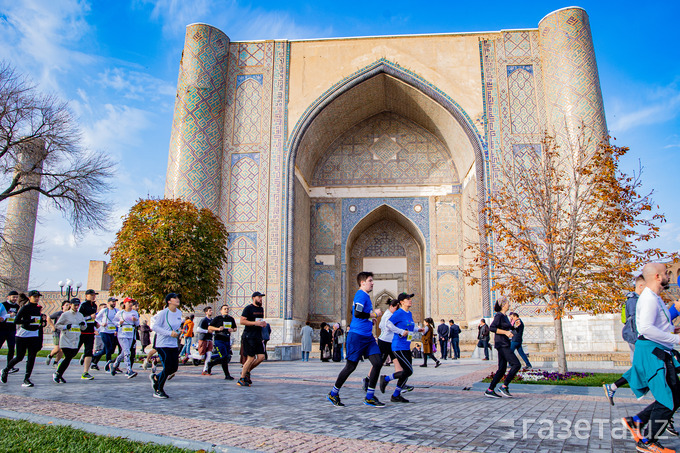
(56, 333)
(8, 329)
(29, 318)
(71, 323)
(251, 340)
(222, 326)
(89, 311)
(107, 332)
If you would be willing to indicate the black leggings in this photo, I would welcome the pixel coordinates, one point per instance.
(170, 360)
(505, 356)
(69, 354)
(8, 336)
(431, 355)
(406, 362)
(26, 344)
(351, 366)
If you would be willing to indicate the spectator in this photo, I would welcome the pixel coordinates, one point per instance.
(338, 342)
(266, 334)
(325, 342)
(306, 340)
(483, 335)
(454, 339)
(443, 334)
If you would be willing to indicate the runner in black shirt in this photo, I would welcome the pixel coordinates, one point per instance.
(89, 311)
(29, 320)
(251, 340)
(8, 329)
(222, 326)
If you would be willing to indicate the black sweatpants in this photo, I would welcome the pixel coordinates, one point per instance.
(170, 360)
(505, 356)
(406, 362)
(8, 336)
(69, 354)
(30, 345)
(656, 415)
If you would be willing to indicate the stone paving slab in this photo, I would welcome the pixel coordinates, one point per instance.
(286, 410)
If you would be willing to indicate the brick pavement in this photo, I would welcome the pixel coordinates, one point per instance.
(286, 410)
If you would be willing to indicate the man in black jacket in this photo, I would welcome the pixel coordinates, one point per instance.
(454, 338)
(483, 336)
(29, 341)
(7, 327)
(443, 334)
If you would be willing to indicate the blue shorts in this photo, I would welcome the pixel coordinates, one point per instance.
(359, 346)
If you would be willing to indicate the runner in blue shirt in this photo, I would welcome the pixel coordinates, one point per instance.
(402, 325)
(361, 343)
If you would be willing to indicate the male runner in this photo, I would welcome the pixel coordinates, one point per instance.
(205, 339)
(222, 327)
(8, 329)
(361, 343)
(29, 320)
(251, 340)
(89, 311)
(56, 332)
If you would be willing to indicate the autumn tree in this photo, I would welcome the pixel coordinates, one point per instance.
(168, 246)
(566, 226)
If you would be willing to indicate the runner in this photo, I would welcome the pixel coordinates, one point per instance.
(133, 347)
(188, 335)
(222, 327)
(29, 318)
(107, 332)
(401, 323)
(71, 323)
(89, 311)
(8, 329)
(167, 324)
(205, 339)
(51, 321)
(385, 343)
(251, 340)
(127, 321)
(361, 343)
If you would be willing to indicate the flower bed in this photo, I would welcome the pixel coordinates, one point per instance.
(537, 376)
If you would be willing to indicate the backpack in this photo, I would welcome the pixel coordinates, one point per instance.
(629, 332)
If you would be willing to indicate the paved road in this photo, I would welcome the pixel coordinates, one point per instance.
(286, 410)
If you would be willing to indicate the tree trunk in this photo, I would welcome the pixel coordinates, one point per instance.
(559, 346)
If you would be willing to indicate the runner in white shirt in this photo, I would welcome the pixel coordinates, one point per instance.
(107, 332)
(127, 321)
(167, 324)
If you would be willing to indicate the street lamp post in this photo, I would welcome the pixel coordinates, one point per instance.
(69, 288)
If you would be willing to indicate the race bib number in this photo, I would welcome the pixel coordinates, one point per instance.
(409, 337)
(90, 321)
(109, 327)
(259, 319)
(74, 329)
(10, 319)
(128, 329)
(35, 320)
(227, 325)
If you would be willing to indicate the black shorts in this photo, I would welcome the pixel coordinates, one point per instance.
(86, 339)
(252, 346)
(385, 350)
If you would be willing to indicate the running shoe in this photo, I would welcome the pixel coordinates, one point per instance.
(145, 364)
(364, 384)
(154, 381)
(27, 383)
(491, 394)
(185, 360)
(160, 394)
(48, 360)
(634, 429)
(94, 366)
(248, 378)
(112, 370)
(670, 428)
(62, 380)
(153, 368)
(171, 376)
(229, 377)
(373, 402)
(609, 393)
(398, 399)
(652, 447)
(335, 400)
(131, 374)
(107, 367)
(407, 388)
(243, 383)
(118, 370)
(86, 377)
(205, 373)
(383, 383)
(55, 378)
(437, 364)
(3, 376)
(505, 391)
(423, 366)
(14, 370)
(56, 364)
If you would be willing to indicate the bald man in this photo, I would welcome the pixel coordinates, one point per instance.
(654, 352)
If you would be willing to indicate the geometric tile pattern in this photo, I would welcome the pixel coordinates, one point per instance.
(385, 149)
(325, 227)
(244, 190)
(248, 116)
(251, 54)
(523, 108)
(198, 124)
(240, 272)
(450, 304)
(383, 245)
(323, 301)
(517, 44)
(448, 227)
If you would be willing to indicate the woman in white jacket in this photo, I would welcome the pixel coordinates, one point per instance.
(71, 323)
(167, 324)
(127, 321)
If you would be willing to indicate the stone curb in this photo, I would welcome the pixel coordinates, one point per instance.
(130, 434)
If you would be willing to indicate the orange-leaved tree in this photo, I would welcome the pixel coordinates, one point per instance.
(568, 227)
(168, 245)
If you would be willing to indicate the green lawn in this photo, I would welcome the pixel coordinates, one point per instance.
(22, 436)
(596, 380)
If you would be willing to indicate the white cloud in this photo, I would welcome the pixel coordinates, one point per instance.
(136, 85)
(120, 126)
(653, 106)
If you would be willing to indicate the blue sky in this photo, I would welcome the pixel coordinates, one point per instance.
(117, 62)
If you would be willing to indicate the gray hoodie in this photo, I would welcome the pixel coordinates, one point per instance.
(70, 336)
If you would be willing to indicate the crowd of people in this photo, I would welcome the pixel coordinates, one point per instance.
(100, 330)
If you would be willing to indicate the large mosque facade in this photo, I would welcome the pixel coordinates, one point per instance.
(331, 156)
